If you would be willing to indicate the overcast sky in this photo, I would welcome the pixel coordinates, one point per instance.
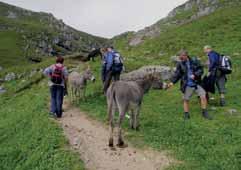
(105, 18)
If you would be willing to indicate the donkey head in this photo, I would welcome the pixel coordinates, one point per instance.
(157, 80)
(88, 75)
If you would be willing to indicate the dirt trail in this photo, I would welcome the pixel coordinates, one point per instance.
(90, 138)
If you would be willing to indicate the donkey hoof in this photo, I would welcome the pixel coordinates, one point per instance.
(137, 128)
(111, 143)
(121, 144)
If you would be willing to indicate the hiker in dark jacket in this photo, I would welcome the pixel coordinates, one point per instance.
(112, 68)
(103, 67)
(190, 71)
(220, 79)
(58, 76)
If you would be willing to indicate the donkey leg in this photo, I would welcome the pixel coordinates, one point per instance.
(76, 95)
(79, 95)
(111, 122)
(69, 90)
(121, 118)
(83, 93)
(71, 94)
(136, 118)
(131, 123)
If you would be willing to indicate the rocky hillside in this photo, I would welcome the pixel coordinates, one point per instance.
(27, 34)
(186, 13)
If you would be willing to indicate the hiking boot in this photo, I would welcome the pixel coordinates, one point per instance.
(52, 115)
(187, 116)
(222, 102)
(206, 115)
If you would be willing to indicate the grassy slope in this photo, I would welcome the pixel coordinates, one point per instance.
(10, 48)
(12, 44)
(28, 138)
(199, 144)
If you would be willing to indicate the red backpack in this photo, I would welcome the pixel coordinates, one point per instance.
(57, 74)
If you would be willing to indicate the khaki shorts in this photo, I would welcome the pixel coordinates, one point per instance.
(190, 90)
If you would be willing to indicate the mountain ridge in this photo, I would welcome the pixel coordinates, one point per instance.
(183, 14)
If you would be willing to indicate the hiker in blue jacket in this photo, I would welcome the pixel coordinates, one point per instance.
(189, 71)
(213, 70)
(113, 66)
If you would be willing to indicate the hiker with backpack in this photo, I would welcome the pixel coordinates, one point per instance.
(189, 71)
(113, 66)
(218, 67)
(58, 76)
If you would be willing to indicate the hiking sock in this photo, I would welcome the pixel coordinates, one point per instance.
(205, 114)
(186, 116)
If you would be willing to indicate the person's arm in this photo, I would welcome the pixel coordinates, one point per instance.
(212, 61)
(65, 81)
(177, 74)
(47, 71)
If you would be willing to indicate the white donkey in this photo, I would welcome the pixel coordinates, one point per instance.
(78, 82)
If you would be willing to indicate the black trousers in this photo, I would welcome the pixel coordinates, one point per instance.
(108, 78)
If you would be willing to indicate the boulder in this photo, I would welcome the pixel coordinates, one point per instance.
(175, 59)
(232, 111)
(12, 15)
(2, 90)
(32, 73)
(10, 76)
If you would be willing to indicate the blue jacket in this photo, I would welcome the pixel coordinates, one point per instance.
(181, 73)
(109, 60)
(213, 61)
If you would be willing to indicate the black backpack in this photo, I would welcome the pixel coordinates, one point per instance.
(57, 74)
(225, 64)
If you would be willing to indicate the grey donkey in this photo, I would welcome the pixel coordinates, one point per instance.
(123, 96)
(77, 84)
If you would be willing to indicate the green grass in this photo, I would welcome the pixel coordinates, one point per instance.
(198, 144)
(10, 49)
(28, 138)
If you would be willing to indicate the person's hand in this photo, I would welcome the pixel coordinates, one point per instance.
(170, 85)
(193, 77)
(209, 73)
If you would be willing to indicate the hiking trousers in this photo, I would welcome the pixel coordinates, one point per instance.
(109, 76)
(220, 83)
(57, 97)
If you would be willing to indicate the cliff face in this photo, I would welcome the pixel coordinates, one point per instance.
(42, 34)
(188, 12)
